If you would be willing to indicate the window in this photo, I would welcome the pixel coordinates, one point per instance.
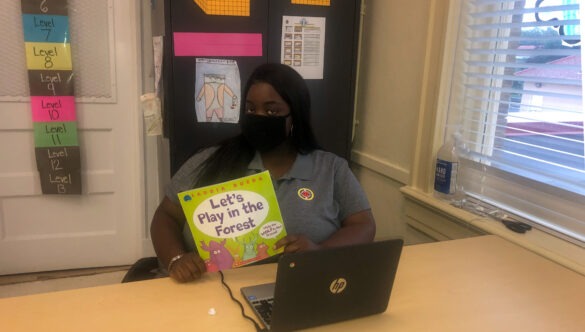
(516, 99)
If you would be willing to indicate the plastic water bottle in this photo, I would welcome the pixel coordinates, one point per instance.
(446, 171)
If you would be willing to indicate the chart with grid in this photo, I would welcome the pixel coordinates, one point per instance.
(225, 7)
(312, 2)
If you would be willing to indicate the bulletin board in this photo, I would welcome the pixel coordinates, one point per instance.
(332, 89)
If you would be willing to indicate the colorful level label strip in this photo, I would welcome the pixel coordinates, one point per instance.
(48, 59)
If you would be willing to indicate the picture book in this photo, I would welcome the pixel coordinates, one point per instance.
(234, 223)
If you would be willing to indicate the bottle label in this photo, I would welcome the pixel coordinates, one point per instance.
(445, 176)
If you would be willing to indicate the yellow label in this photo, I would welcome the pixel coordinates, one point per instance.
(48, 56)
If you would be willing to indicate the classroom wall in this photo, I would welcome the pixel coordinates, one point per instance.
(390, 89)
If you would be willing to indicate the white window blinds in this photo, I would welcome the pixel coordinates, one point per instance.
(517, 102)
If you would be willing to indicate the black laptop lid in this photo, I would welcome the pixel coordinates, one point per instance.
(331, 285)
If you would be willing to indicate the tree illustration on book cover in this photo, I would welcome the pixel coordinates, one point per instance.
(234, 223)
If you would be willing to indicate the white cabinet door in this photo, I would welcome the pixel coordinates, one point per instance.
(105, 225)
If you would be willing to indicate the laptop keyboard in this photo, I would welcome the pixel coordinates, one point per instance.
(264, 309)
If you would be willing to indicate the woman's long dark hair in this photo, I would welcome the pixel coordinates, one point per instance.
(232, 157)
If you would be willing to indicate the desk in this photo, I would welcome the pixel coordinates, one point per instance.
(476, 284)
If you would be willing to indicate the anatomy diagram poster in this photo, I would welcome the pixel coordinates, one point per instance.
(217, 90)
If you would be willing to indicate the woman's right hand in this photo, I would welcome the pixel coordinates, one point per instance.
(188, 268)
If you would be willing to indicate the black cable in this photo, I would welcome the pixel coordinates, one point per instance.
(258, 328)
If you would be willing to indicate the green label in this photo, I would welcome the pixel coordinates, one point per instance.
(50, 134)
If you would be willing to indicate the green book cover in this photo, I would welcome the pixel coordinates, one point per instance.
(234, 223)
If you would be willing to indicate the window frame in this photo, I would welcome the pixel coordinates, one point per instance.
(552, 209)
(432, 130)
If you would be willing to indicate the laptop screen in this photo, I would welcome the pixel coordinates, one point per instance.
(330, 285)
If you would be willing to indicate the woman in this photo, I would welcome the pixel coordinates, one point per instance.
(321, 202)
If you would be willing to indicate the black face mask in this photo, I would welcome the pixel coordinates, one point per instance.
(264, 132)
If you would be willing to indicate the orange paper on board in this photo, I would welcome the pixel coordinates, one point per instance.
(312, 2)
(225, 7)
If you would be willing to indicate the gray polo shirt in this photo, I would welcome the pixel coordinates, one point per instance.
(315, 196)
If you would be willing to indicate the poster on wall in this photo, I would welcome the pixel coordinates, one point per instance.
(50, 75)
(217, 90)
(225, 8)
(311, 2)
(303, 45)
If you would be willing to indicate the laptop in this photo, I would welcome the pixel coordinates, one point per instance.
(326, 286)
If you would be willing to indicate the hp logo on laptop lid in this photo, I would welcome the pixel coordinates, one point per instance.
(337, 285)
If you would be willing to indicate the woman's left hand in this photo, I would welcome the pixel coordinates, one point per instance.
(295, 243)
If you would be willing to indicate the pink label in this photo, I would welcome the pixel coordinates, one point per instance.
(217, 44)
(53, 108)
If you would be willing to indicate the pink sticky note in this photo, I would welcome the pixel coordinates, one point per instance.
(53, 108)
(217, 44)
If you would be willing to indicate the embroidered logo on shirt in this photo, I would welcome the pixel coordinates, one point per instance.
(306, 194)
